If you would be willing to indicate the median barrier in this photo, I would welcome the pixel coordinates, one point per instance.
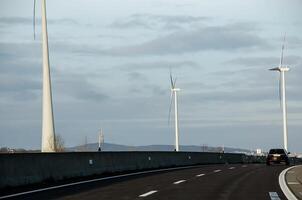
(29, 168)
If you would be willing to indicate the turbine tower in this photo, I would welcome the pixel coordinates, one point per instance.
(282, 69)
(101, 139)
(174, 91)
(48, 130)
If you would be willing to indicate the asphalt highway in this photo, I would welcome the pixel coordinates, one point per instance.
(221, 182)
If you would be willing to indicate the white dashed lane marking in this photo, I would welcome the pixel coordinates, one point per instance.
(274, 196)
(244, 166)
(199, 175)
(218, 170)
(232, 168)
(148, 193)
(178, 182)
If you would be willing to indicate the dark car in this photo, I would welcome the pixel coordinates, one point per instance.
(277, 156)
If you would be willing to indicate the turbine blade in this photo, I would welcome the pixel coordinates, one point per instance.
(275, 69)
(280, 88)
(175, 82)
(34, 19)
(170, 107)
(281, 57)
(282, 50)
(171, 79)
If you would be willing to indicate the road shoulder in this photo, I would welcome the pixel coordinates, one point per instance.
(290, 182)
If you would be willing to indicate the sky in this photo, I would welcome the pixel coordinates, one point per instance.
(110, 65)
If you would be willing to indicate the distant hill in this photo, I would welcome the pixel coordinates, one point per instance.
(118, 147)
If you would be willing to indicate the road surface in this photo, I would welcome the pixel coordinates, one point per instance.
(221, 182)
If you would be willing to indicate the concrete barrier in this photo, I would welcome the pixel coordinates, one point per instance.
(29, 168)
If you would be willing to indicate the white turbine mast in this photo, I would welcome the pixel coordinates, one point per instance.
(101, 139)
(282, 69)
(48, 129)
(174, 91)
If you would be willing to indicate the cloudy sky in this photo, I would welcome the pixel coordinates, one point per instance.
(110, 69)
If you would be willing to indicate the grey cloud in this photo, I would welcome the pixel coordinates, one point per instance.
(15, 20)
(22, 66)
(253, 61)
(20, 74)
(252, 85)
(132, 23)
(218, 38)
(178, 18)
(18, 88)
(197, 85)
(209, 38)
(111, 36)
(239, 95)
(135, 91)
(251, 79)
(149, 21)
(164, 64)
(263, 61)
(253, 72)
(21, 81)
(77, 87)
(29, 21)
(294, 80)
(25, 96)
(155, 89)
(9, 50)
(9, 84)
(136, 76)
(292, 42)
(90, 94)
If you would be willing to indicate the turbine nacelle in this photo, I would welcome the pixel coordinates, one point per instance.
(175, 89)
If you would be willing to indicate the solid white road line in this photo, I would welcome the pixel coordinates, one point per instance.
(199, 175)
(218, 170)
(178, 182)
(232, 168)
(148, 193)
(95, 180)
(293, 183)
(274, 196)
(284, 187)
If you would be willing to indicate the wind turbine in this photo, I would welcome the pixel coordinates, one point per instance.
(174, 91)
(48, 129)
(282, 69)
(101, 139)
